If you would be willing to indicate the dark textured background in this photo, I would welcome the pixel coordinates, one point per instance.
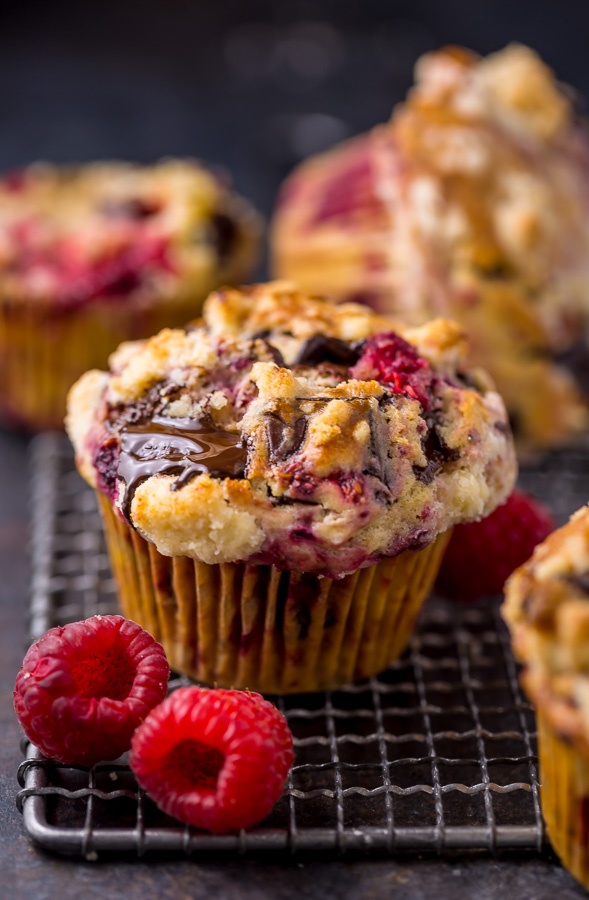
(254, 86)
(251, 84)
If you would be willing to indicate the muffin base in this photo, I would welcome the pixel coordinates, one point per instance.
(254, 626)
(564, 774)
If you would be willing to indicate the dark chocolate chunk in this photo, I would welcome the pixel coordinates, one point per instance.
(436, 452)
(182, 447)
(580, 581)
(283, 439)
(275, 354)
(223, 234)
(576, 360)
(321, 348)
(467, 380)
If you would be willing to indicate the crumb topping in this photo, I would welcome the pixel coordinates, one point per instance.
(323, 441)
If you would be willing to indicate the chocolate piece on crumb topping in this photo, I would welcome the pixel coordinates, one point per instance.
(321, 348)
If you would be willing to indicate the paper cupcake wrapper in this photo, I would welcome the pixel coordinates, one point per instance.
(564, 776)
(44, 350)
(256, 627)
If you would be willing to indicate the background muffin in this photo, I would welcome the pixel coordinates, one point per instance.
(94, 255)
(547, 610)
(274, 480)
(471, 202)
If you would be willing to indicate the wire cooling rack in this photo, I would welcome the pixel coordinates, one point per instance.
(436, 754)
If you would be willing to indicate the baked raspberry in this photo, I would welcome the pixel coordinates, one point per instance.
(84, 688)
(389, 359)
(482, 555)
(115, 275)
(213, 758)
(351, 191)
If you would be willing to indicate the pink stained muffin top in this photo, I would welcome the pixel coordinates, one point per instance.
(70, 235)
(281, 429)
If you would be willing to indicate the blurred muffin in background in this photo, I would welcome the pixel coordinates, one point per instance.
(547, 610)
(472, 202)
(94, 255)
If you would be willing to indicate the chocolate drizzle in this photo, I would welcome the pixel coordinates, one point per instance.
(184, 447)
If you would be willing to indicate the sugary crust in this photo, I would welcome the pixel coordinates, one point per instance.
(69, 235)
(471, 203)
(342, 469)
(547, 610)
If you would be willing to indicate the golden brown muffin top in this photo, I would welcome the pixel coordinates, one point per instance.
(332, 438)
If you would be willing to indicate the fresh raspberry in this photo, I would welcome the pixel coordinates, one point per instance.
(482, 555)
(84, 688)
(389, 359)
(213, 758)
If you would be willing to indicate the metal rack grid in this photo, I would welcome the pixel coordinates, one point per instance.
(436, 754)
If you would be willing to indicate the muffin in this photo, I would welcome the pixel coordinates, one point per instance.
(472, 202)
(278, 482)
(547, 610)
(97, 254)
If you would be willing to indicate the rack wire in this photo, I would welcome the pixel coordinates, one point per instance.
(437, 754)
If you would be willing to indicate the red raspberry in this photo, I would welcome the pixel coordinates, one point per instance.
(213, 758)
(392, 361)
(84, 688)
(482, 555)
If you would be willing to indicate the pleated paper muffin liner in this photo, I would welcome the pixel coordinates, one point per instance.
(564, 776)
(44, 349)
(254, 626)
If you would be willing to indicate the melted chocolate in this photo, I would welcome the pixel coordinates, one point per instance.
(284, 440)
(321, 348)
(183, 447)
(436, 451)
